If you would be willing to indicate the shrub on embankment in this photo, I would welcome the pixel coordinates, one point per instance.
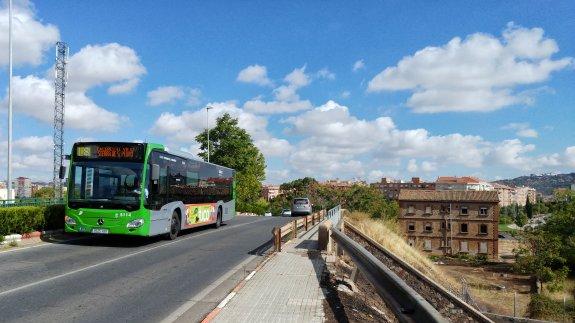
(25, 219)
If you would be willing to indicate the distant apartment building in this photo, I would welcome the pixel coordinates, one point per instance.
(391, 187)
(514, 195)
(22, 187)
(463, 183)
(270, 191)
(342, 184)
(4, 193)
(451, 222)
(573, 187)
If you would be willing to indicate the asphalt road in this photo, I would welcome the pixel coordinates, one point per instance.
(119, 279)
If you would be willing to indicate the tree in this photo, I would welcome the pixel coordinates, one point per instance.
(233, 147)
(44, 193)
(528, 208)
(542, 258)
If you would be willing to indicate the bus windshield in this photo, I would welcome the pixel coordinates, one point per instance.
(105, 184)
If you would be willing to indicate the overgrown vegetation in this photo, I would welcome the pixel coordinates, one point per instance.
(25, 219)
(543, 307)
(548, 252)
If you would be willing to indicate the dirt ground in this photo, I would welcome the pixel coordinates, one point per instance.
(363, 306)
(493, 286)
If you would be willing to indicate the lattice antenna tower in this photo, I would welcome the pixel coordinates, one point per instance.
(60, 79)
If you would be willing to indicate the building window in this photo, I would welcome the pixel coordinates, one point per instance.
(411, 226)
(483, 211)
(428, 227)
(483, 229)
(464, 210)
(446, 208)
(463, 246)
(483, 247)
(410, 209)
(444, 244)
(427, 245)
(428, 209)
(443, 225)
(463, 228)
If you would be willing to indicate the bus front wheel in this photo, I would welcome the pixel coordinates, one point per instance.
(174, 226)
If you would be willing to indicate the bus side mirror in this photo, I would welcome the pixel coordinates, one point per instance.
(155, 172)
(62, 173)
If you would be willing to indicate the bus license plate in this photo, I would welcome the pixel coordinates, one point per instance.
(100, 231)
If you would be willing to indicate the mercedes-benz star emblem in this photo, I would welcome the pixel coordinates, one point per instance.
(100, 222)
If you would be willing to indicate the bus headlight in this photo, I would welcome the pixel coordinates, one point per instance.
(69, 220)
(135, 224)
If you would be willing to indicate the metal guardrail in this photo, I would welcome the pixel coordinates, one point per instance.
(31, 202)
(407, 304)
(303, 223)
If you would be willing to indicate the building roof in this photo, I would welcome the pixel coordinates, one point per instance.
(458, 180)
(448, 196)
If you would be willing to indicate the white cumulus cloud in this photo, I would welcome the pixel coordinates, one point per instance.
(31, 37)
(521, 130)
(358, 65)
(256, 74)
(165, 95)
(478, 73)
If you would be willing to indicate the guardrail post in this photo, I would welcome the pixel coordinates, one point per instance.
(277, 236)
(294, 229)
(305, 221)
(313, 219)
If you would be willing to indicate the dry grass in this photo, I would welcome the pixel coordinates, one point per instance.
(387, 233)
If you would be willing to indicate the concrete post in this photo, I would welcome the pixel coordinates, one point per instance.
(294, 229)
(323, 238)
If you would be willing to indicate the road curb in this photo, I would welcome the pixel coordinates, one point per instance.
(235, 291)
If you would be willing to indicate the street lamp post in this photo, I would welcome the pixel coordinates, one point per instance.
(208, 128)
(9, 170)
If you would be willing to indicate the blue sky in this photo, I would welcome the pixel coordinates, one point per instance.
(345, 89)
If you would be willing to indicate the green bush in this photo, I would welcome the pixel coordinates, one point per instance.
(54, 217)
(25, 219)
(543, 307)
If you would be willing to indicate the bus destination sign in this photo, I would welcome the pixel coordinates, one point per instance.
(128, 152)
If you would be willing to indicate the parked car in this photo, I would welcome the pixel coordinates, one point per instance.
(286, 212)
(268, 214)
(301, 206)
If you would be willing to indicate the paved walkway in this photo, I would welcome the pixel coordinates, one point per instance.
(285, 289)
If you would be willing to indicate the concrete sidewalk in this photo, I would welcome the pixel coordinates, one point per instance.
(286, 289)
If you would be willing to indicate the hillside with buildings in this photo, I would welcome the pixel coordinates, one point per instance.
(544, 184)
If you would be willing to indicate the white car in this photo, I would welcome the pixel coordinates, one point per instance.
(268, 214)
(286, 212)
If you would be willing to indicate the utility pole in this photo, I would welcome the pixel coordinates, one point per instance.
(208, 128)
(9, 170)
(59, 102)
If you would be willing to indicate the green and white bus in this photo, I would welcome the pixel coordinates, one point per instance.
(142, 189)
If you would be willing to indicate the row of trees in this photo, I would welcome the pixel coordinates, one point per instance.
(354, 198)
(521, 214)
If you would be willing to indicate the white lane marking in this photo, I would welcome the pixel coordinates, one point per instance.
(251, 275)
(199, 296)
(44, 244)
(223, 303)
(119, 258)
(24, 248)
